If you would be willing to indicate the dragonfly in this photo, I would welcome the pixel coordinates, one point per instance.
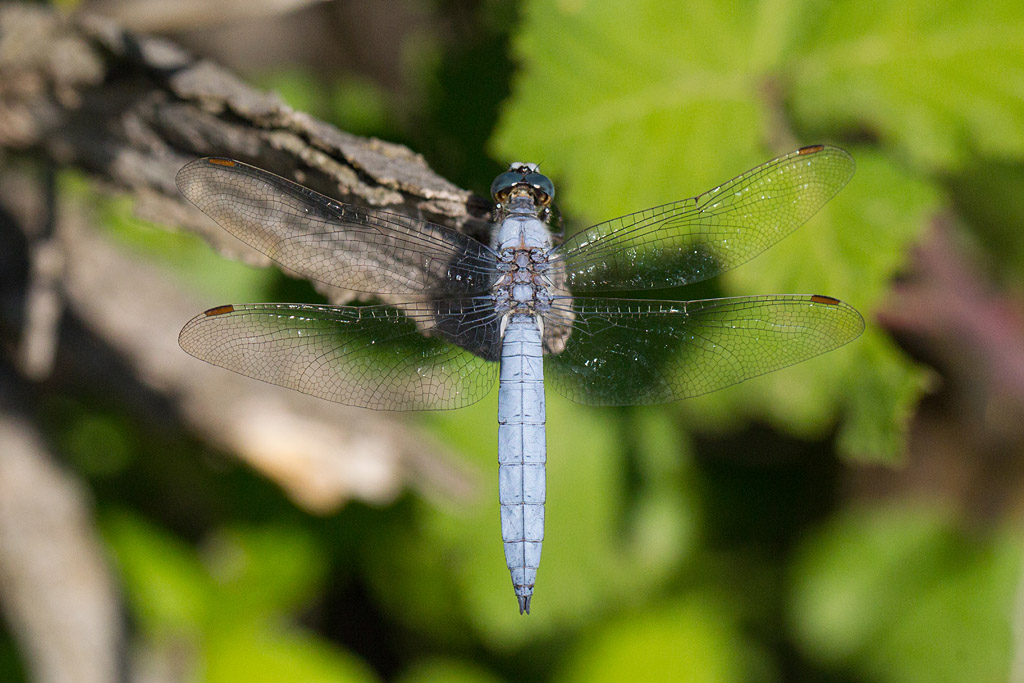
(521, 312)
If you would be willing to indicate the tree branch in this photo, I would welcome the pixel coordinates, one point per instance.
(132, 110)
(54, 585)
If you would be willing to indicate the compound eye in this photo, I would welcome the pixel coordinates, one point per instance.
(541, 182)
(503, 183)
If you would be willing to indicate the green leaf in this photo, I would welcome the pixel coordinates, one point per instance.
(168, 588)
(901, 594)
(625, 123)
(641, 109)
(414, 575)
(446, 670)
(693, 641)
(258, 653)
(990, 197)
(100, 443)
(939, 80)
(880, 403)
(359, 106)
(262, 570)
(296, 86)
(235, 607)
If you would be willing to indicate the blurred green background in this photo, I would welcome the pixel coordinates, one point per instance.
(853, 518)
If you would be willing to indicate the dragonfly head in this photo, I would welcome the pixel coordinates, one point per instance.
(523, 179)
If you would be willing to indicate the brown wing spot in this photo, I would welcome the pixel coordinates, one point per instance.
(221, 161)
(810, 149)
(220, 310)
(827, 300)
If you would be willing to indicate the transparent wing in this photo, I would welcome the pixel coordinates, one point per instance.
(695, 239)
(633, 352)
(432, 356)
(347, 246)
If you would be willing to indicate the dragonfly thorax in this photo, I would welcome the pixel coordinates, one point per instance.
(524, 286)
(522, 241)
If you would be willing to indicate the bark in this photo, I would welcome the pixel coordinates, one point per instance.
(131, 110)
(56, 592)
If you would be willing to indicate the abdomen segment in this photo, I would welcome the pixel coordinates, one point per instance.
(522, 453)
